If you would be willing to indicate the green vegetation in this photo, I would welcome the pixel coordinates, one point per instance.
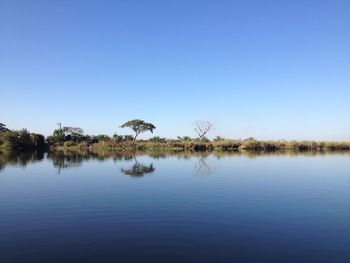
(73, 138)
(3, 128)
(69, 135)
(20, 140)
(223, 145)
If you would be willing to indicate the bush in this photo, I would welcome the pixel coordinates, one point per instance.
(69, 144)
(157, 139)
(22, 139)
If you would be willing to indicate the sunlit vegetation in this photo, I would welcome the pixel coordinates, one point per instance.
(73, 138)
(21, 139)
(223, 145)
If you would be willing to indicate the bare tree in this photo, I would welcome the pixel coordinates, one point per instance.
(202, 128)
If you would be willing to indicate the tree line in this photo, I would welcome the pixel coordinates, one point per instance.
(20, 139)
(69, 137)
(23, 139)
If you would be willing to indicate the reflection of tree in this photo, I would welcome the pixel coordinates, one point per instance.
(75, 158)
(2, 165)
(65, 160)
(202, 168)
(19, 158)
(138, 169)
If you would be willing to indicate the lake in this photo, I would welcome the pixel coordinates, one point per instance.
(174, 207)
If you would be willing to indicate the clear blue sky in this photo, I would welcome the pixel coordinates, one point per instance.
(267, 69)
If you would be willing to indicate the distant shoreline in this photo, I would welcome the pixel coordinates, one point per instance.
(199, 146)
(73, 138)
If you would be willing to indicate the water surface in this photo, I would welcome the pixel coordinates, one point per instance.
(174, 208)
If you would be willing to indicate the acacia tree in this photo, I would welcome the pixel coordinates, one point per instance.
(138, 126)
(202, 128)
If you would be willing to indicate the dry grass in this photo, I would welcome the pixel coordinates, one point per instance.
(220, 145)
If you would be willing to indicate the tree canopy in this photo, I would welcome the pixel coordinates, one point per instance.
(63, 134)
(3, 127)
(21, 139)
(138, 126)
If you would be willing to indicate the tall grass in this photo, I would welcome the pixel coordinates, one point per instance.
(217, 145)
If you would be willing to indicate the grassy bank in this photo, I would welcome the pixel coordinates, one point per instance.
(198, 145)
(73, 138)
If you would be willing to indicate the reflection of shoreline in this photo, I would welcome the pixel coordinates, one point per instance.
(19, 159)
(75, 158)
(61, 161)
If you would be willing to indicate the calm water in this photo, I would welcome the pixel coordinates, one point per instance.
(175, 208)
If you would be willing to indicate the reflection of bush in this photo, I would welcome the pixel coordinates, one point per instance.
(75, 158)
(19, 158)
(119, 155)
(62, 160)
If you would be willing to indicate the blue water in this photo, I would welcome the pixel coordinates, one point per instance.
(175, 208)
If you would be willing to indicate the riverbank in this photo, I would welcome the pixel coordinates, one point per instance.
(197, 145)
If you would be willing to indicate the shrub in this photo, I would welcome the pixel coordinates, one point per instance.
(69, 144)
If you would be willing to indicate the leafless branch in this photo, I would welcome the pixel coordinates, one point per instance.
(202, 128)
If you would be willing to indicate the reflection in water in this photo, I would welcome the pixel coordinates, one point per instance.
(63, 161)
(283, 209)
(138, 169)
(202, 168)
(69, 159)
(19, 159)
